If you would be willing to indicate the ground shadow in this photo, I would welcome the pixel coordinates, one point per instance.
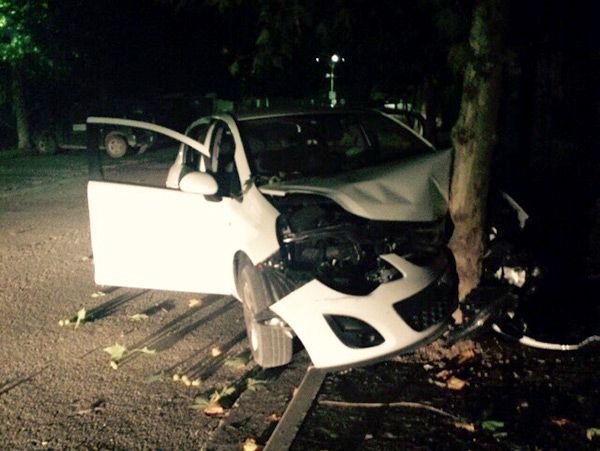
(111, 306)
(179, 327)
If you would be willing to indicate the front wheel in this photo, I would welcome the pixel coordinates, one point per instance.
(116, 145)
(45, 143)
(270, 345)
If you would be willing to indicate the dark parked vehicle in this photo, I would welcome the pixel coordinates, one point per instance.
(67, 132)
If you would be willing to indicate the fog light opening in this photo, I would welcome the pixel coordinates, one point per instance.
(353, 332)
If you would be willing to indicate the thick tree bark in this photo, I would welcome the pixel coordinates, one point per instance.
(474, 137)
(19, 110)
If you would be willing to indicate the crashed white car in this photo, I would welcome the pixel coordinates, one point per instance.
(330, 226)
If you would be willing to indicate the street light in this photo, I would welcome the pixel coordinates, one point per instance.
(333, 60)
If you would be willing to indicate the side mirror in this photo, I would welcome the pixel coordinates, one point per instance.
(199, 183)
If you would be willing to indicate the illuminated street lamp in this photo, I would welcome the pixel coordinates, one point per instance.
(333, 60)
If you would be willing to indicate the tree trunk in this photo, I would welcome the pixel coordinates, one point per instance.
(18, 104)
(474, 136)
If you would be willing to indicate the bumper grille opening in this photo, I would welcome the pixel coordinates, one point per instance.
(353, 332)
(431, 305)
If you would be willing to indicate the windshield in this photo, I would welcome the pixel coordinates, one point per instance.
(325, 144)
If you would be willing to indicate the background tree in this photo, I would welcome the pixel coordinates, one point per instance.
(21, 24)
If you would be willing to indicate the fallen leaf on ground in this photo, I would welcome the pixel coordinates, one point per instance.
(438, 383)
(492, 425)
(560, 422)
(186, 380)
(213, 410)
(138, 317)
(251, 445)
(443, 374)
(590, 433)
(80, 317)
(98, 294)
(239, 361)
(466, 426)
(114, 365)
(465, 355)
(274, 417)
(215, 352)
(368, 436)
(116, 351)
(454, 383)
(194, 303)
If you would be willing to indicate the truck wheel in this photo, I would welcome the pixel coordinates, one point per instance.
(270, 346)
(45, 143)
(116, 145)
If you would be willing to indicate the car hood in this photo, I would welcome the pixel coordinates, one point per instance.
(414, 189)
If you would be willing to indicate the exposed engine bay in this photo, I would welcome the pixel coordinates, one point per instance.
(321, 240)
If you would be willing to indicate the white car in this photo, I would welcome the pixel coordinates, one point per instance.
(329, 225)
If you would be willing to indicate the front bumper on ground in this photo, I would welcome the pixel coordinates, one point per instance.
(405, 313)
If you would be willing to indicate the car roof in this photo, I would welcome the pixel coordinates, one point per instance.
(266, 114)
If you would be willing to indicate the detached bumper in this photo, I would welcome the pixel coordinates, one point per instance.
(404, 313)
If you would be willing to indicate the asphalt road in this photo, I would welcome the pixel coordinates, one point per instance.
(57, 387)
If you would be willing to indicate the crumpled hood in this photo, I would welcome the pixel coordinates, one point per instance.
(414, 189)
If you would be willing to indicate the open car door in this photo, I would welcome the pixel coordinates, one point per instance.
(156, 237)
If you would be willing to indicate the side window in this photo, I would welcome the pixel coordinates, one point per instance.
(222, 164)
(191, 156)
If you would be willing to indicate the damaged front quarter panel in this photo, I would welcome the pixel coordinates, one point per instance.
(355, 290)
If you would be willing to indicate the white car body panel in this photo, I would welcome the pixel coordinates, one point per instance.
(305, 309)
(146, 237)
(414, 190)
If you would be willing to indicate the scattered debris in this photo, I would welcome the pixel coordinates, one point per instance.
(513, 275)
(216, 352)
(98, 294)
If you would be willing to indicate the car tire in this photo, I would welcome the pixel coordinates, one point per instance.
(45, 143)
(116, 145)
(270, 346)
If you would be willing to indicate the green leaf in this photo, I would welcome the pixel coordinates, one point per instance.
(263, 37)
(239, 361)
(116, 352)
(253, 384)
(200, 403)
(492, 425)
(138, 317)
(80, 317)
(590, 433)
